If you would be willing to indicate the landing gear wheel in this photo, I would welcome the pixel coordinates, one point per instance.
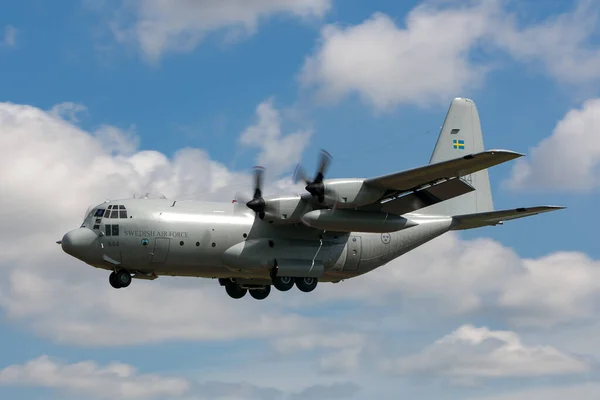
(283, 283)
(234, 290)
(123, 278)
(112, 279)
(306, 284)
(261, 294)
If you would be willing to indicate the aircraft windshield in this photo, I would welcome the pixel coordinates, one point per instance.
(115, 211)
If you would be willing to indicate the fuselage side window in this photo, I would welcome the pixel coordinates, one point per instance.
(107, 230)
(115, 230)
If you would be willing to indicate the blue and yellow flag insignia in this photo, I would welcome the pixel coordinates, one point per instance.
(459, 144)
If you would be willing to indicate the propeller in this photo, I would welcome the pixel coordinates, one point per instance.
(257, 203)
(316, 187)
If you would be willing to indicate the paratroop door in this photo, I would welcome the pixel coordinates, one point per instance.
(353, 254)
(161, 250)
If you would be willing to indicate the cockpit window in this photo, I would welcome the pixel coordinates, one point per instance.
(99, 212)
(116, 211)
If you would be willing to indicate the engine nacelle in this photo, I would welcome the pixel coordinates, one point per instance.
(356, 221)
(285, 210)
(350, 193)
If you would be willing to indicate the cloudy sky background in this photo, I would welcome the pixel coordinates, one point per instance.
(104, 99)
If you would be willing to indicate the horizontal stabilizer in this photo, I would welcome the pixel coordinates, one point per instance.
(417, 177)
(470, 221)
(424, 197)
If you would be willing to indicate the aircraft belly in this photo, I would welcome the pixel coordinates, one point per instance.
(296, 257)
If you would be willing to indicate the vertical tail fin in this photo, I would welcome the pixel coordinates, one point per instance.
(461, 135)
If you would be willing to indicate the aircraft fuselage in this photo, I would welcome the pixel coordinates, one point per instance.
(157, 237)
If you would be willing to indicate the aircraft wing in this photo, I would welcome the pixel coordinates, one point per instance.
(417, 177)
(470, 221)
(423, 197)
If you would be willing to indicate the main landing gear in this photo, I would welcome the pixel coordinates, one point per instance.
(120, 279)
(261, 292)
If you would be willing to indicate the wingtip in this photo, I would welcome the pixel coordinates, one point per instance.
(547, 208)
(514, 154)
(557, 207)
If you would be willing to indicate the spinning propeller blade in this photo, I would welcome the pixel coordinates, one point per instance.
(316, 186)
(257, 203)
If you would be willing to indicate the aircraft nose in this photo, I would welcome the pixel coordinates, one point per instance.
(78, 242)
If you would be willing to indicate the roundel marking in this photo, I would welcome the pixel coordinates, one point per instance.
(386, 238)
(145, 242)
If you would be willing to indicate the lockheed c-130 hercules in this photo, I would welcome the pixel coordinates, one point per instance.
(338, 229)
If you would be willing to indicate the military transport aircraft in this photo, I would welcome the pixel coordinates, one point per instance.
(338, 229)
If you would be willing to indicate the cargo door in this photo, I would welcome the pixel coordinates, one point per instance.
(353, 254)
(161, 250)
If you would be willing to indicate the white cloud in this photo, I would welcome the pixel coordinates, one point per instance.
(562, 44)
(569, 159)
(116, 141)
(10, 36)
(277, 152)
(310, 342)
(346, 348)
(450, 276)
(115, 380)
(445, 48)
(584, 391)
(340, 390)
(386, 65)
(159, 26)
(561, 287)
(123, 381)
(53, 170)
(469, 354)
(68, 110)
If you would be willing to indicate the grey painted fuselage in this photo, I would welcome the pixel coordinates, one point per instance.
(189, 238)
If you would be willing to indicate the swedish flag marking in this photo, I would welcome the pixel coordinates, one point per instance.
(459, 144)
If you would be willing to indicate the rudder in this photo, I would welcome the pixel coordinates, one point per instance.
(460, 136)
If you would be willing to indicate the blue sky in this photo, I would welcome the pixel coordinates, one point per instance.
(105, 99)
